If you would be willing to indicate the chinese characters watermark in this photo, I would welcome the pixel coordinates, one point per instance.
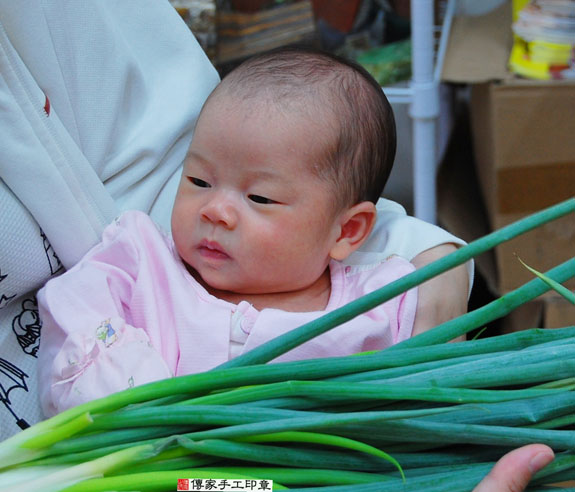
(224, 485)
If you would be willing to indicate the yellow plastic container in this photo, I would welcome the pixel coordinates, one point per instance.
(517, 5)
(543, 40)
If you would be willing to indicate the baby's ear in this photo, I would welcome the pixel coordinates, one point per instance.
(356, 224)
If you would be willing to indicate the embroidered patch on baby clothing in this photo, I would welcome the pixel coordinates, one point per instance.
(106, 333)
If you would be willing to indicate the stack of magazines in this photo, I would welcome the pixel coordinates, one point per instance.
(544, 46)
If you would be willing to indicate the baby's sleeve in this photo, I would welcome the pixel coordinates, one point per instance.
(89, 347)
(399, 311)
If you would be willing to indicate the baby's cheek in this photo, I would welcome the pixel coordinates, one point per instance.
(282, 246)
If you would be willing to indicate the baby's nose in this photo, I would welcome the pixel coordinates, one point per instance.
(220, 211)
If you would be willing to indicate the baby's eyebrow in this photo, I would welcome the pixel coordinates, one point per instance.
(264, 174)
(196, 158)
(193, 154)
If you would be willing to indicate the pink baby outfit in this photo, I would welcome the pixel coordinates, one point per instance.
(129, 313)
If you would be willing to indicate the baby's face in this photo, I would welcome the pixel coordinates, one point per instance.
(249, 216)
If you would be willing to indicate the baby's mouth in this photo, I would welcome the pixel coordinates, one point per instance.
(212, 250)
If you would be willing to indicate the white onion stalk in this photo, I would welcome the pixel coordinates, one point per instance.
(63, 477)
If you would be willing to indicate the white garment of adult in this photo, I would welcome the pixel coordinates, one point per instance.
(98, 101)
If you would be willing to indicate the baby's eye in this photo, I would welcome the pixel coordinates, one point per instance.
(199, 182)
(261, 199)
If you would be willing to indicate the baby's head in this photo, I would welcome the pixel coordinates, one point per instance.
(338, 101)
(290, 153)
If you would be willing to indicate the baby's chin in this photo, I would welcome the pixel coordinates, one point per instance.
(224, 288)
(220, 288)
(236, 292)
(239, 289)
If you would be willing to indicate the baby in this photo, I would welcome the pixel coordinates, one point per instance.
(289, 157)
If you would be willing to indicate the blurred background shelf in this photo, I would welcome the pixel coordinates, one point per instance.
(242, 34)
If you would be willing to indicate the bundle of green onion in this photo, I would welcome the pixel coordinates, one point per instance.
(422, 415)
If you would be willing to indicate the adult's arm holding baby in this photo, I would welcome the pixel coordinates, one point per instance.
(443, 297)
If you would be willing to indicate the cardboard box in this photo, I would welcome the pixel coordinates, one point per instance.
(525, 158)
(523, 140)
(550, 311)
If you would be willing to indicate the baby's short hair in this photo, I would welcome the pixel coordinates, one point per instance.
(359, 159)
